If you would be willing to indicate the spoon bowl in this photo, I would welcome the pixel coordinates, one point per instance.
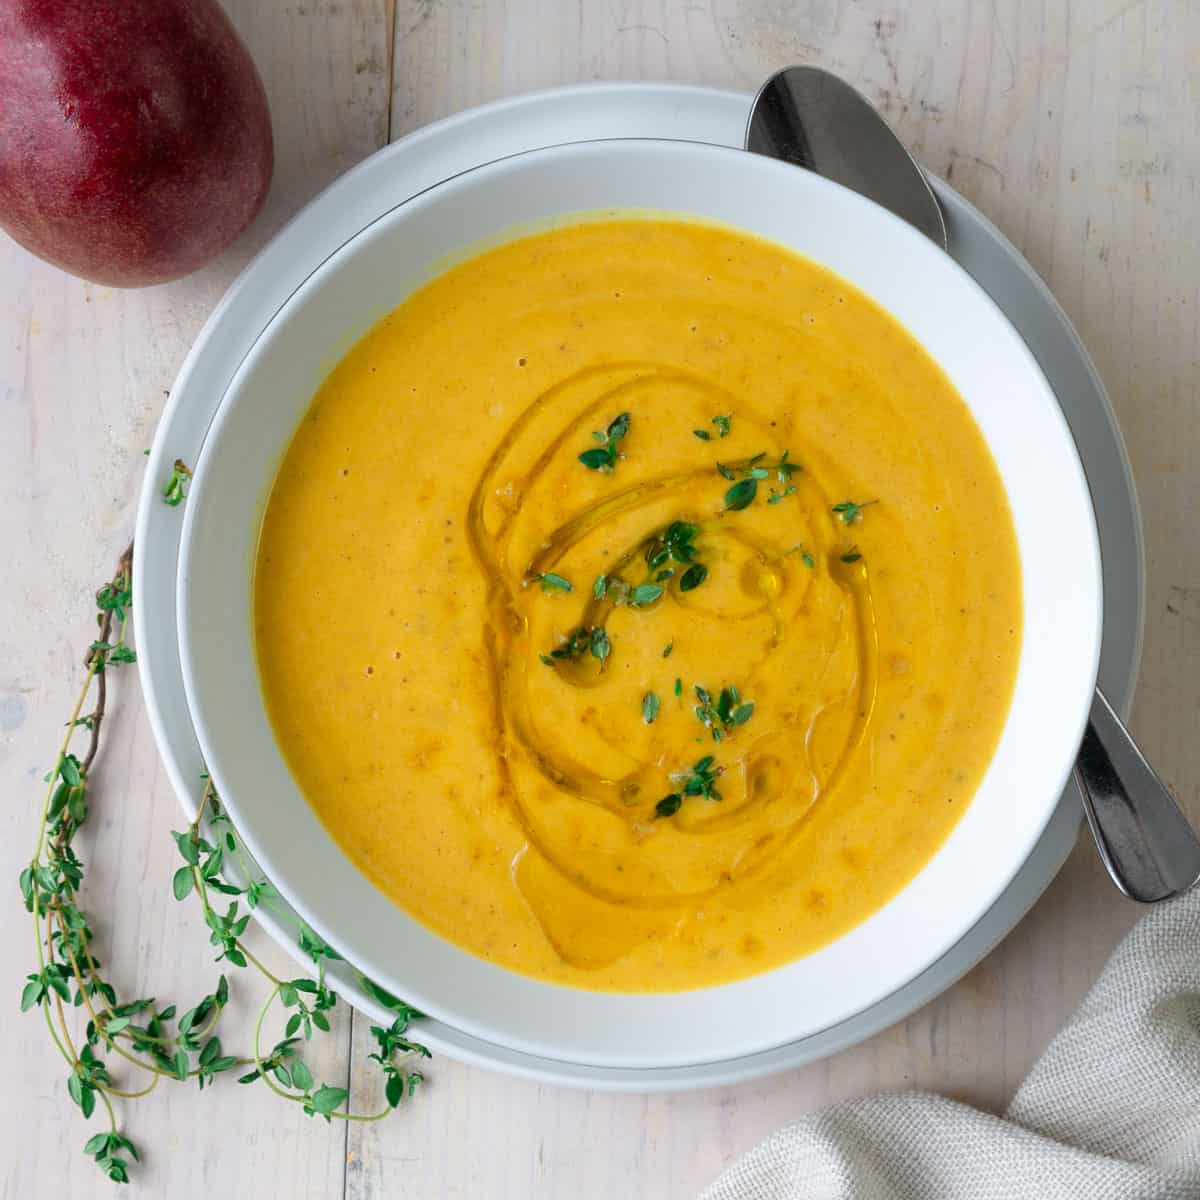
(815, 120)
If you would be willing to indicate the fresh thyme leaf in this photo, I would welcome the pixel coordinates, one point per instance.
(33, 993)
(598, 459)
(69, 769)
(604, 457)
(668, 806)
(725, 714)
(741, 495)
(315, 946)
(851, 511)
(190, 846)
(554, 583)
(649, 708)
(644, 594)
(115, 597)
(806, 558)
(722, 424)
(177, 485)
(601, 647)
(851, 556)
(600, 587)
(617, 428)
(679, 540)
(676, 543)
(577, 644)
(325, 1099)
(678, 686)
(668, 648)
(784, 470)
(754, 470)
(618, 591)
(701, 779)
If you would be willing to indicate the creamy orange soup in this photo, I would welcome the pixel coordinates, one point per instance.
(638, 605)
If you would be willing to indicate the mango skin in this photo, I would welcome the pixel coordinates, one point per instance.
(135, 139)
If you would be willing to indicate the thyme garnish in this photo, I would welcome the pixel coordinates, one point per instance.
(699, 780)
(604, 457)
(754, 470)
(553, 583)
(586, 639)
(726, 714)
(140, 1030)
(722, 424)
(851, 511)
(177, 484)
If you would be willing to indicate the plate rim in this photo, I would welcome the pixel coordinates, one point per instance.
(606, 92)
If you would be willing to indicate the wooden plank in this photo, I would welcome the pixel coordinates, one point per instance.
(1069, 125)
(83, 371)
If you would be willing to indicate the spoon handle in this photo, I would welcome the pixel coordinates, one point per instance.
(1147, 844)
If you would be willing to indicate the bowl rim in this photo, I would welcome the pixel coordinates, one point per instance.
(199, 696)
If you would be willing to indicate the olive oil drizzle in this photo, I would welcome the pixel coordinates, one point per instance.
(632, 793)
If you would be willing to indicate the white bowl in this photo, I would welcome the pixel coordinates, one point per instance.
(958, 325)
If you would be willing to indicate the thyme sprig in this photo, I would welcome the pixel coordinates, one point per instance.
(177, 485)
(722, 424)
(146, 1034)
(725, 714)
(753, 471)
(604, 456)
(699, 780)
(586, 639)
(851, 511)
(666, 553)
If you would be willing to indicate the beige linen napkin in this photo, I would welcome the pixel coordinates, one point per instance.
(1110, 1112)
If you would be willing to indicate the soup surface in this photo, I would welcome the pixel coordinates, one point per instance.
(638, 605)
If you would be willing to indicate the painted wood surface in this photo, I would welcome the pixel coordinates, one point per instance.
(1072, 125)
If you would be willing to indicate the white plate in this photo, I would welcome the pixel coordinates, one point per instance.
(1001, 384)
(388, 177)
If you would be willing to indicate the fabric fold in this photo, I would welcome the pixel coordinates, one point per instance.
(1111, 1111)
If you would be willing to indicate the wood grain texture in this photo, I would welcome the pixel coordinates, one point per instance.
(83, 373)
(1070, 124)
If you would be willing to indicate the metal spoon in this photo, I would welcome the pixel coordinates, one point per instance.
(813, 119)
(809, 117)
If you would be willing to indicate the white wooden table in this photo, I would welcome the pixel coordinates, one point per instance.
(1072, 125)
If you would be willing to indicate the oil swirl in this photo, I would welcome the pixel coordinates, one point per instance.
(768, 601)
